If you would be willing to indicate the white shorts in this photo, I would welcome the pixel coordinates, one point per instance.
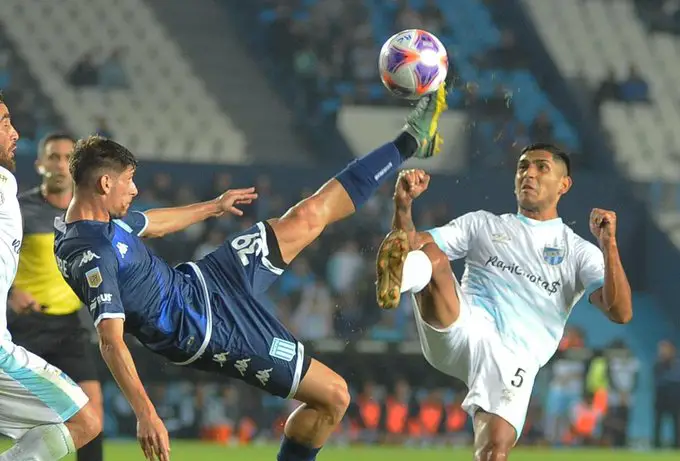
(499, 380)
(33, 392)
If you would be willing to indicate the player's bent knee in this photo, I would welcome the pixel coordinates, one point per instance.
(334, 400)
(341, 396)
(88, 421)
(325, 391)
(337, 400)
(93, 391)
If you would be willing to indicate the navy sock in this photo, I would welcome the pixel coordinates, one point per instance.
(292, 451)
(406, 144)
(363, 176)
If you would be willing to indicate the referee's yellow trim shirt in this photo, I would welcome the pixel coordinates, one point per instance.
(38, 273)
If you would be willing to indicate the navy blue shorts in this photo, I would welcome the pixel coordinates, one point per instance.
(248, 342)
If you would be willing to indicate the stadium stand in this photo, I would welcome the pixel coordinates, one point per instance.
(121, 69)
(642, 126)
(34, 113)
(502, 97)
(483, 56)
(227, 67)
(633, 74)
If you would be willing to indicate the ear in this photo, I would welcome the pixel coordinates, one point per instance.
(104, 184)
(565, 185)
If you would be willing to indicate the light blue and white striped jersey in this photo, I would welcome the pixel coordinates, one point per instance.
(526, 274)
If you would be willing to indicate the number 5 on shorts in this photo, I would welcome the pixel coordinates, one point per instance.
(518, 378)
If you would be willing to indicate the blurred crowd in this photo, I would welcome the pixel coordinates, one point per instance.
(583, 397)
(328, 52)
(32, 113)
(660, 15)
(631, 89)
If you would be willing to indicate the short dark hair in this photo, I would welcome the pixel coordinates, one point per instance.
(557, 153)
(53, 136)
(96, 153)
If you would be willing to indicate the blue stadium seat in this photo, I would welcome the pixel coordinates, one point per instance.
(26, 147)
(345, 88)
(5, 79)
(268, 16)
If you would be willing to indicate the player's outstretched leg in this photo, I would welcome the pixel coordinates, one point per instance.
(323, 392)
(426, 271)
(354, 185)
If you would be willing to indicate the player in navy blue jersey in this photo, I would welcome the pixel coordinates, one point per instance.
(206, 314)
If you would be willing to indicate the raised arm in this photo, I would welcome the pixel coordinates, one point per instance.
(151, 432)
(163, 221)
(614, 298)
(410, 184)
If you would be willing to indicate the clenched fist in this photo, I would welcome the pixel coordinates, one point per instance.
(603, 225)
(410, 184)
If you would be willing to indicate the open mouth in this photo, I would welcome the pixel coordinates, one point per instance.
(527, 187)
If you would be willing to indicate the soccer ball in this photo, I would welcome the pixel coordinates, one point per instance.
(413, 63)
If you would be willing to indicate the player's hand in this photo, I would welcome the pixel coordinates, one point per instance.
(410, 184)
(22, 302)
(603, 225)
(232, 197)
(153, 438)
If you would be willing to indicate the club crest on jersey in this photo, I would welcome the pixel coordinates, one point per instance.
(94, 277)
(553, 255)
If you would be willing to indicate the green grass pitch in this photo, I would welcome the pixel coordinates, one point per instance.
(194, 451)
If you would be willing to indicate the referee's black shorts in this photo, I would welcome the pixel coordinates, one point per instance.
(62, 340)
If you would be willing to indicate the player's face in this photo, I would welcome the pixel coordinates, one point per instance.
(123, 191)
(540, 181)
(8, 139)
(52, 165)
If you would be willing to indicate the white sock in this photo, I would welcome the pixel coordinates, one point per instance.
(42, 443)
(417, 272)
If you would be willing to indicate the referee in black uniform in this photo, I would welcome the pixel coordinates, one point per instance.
(44, 315)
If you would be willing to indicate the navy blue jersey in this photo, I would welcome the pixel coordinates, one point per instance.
(116, 276)
(205, 314)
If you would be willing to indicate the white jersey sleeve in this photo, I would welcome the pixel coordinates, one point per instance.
(590, 263)
(11, 233)
(454, 238)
